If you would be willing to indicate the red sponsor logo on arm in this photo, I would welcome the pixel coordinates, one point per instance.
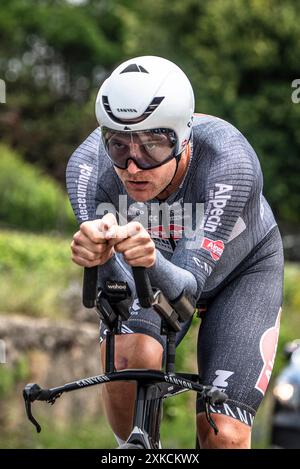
(215, 248)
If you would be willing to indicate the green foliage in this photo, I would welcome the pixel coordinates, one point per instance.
(81, 434)
(53, 54)
(29, 199)
(290, 318)
(291, 287)
(36, 274)
(10, 376)
(241, 56)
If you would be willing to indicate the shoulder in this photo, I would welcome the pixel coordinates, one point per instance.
(211, 128)
(90, 146)
(219, 139)
(90, 152)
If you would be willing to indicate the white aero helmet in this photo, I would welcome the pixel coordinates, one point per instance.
(147, 93)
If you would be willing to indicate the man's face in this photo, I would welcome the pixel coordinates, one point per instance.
(137, 151)
(143, 185)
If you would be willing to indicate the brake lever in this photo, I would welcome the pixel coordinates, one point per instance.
(30, 393)
(33, 392)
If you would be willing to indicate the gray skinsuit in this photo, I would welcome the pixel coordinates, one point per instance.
(216, 236)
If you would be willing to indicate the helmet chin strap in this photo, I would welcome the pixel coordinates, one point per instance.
(164, 194)
(178, 157)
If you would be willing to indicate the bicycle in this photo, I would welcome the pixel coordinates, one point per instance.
(153, 386)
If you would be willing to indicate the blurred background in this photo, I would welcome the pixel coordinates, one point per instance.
(242, 57)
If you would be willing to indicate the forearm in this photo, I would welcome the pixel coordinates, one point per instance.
(171, 279)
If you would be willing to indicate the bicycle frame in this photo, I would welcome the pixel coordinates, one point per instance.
(152, 385)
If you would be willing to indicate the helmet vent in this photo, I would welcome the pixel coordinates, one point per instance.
(134, 68)
(152, 106)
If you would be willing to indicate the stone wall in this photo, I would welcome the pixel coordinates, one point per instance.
(52, 353)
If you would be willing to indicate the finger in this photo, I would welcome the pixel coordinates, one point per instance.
(119, 232)
(82, 240)
(134, 228)
(113, 232)
(144, 261)
(91, 229)
(116, 234)
(85, 253)
(107, 222)
(84, 262)
(139, 251)
(131, 242)
(126, 231)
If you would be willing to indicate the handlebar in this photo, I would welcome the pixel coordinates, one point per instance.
(143, 287)
(182, 381)
(89, 286)
(147, 298)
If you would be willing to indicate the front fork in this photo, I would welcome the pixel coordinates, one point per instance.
(147, 417)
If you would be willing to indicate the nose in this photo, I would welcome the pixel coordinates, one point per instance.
(132, 168)
(135, 150)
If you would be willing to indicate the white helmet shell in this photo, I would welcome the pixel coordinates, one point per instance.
(147, 93)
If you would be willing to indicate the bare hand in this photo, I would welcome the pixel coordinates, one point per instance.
(134, 242)
(89, 246)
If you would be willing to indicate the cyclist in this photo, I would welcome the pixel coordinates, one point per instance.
(158, 186)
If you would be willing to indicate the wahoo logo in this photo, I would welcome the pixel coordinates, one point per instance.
(215, 248)
(117, 286)
(268, 346)
(217, 204)
(126, 110)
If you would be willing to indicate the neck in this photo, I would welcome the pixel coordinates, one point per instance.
(180, 173)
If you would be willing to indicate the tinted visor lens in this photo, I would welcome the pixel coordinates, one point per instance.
(148, 149)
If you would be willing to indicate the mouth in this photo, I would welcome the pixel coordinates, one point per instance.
(138, 184)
